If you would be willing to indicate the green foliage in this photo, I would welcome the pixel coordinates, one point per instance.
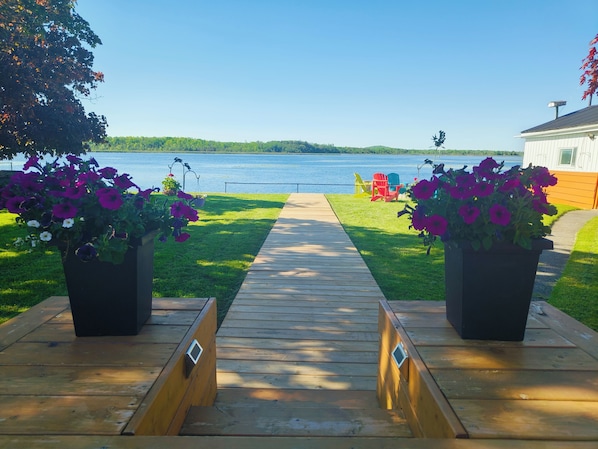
(45, 71)
(575, 293)
(481, 207)
(184, 144)
(90, 211)
(170, 186)
(213, 262)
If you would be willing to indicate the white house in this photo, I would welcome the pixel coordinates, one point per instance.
(568, 147)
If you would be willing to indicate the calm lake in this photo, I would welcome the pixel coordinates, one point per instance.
(275, 173)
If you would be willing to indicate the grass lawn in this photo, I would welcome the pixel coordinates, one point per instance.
(394, 254)
(213, 262)
(231, 231)
(399, 263)
(576, 292)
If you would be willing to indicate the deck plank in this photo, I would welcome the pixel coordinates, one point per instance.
(304, 319)
(543, 388)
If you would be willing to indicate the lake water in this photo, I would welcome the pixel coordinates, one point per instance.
(275, 173)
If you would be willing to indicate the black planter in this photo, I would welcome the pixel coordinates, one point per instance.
(109, 299)
(488, 293)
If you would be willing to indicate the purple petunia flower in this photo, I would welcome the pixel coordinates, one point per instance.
(33, 161)
(179, 209)
(64, 210)
(482, 189)
(184, 196)
(500, 215)
(183, 236)
(108, 172)
(437, 224)
(74, 193)
(486, 167)
(542, 177)
(109, 198)
(14, 204)
(425, 189)
(86, 252)
(510, 184)
(418, 220)
(460, 192)
(469, 213)
(124, 182)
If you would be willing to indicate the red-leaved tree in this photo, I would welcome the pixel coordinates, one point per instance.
(45, 72)
(590, 72)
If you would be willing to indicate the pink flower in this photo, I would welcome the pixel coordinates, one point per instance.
(500, 215)
(469, 213)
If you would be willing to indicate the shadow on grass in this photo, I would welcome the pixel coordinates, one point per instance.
(575, 292)
(213, 263)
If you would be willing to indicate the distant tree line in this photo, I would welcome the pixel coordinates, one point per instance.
(185, 144)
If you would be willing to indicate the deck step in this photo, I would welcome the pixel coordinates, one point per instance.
(300, 413)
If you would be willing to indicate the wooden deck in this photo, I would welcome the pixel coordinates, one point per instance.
(544, 388)
(297, 361)
(53, 383)
(297, 351)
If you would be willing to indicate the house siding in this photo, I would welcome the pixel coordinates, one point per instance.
(545, 151)
(574, 189)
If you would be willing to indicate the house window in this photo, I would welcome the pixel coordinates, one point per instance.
(568, 156)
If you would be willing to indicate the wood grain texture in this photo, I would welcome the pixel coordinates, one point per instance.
(543, 388)
(53, 383)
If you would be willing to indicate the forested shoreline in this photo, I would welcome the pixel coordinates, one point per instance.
(186, 144)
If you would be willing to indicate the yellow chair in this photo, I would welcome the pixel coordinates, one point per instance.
(362, 188)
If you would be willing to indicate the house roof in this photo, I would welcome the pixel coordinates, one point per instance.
(583, 117)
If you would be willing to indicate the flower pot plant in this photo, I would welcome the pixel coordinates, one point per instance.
(104, 226)
(170, 186)
(490, 221)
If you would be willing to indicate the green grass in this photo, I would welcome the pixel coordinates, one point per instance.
(231, 231)
(213, 263)
(394, 254)
(576, 292)
(401, 268)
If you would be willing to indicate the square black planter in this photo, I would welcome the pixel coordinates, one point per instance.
(111, 299)
(488, 292)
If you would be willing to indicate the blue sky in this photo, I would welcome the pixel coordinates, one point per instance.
(342, 72)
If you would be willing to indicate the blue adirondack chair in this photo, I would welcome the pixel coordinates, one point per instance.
(395, 185)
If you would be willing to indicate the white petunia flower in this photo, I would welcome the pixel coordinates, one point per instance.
(68, 223)
(33, 224)
(45, 236)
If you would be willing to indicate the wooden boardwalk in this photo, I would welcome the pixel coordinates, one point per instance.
(298, 349)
